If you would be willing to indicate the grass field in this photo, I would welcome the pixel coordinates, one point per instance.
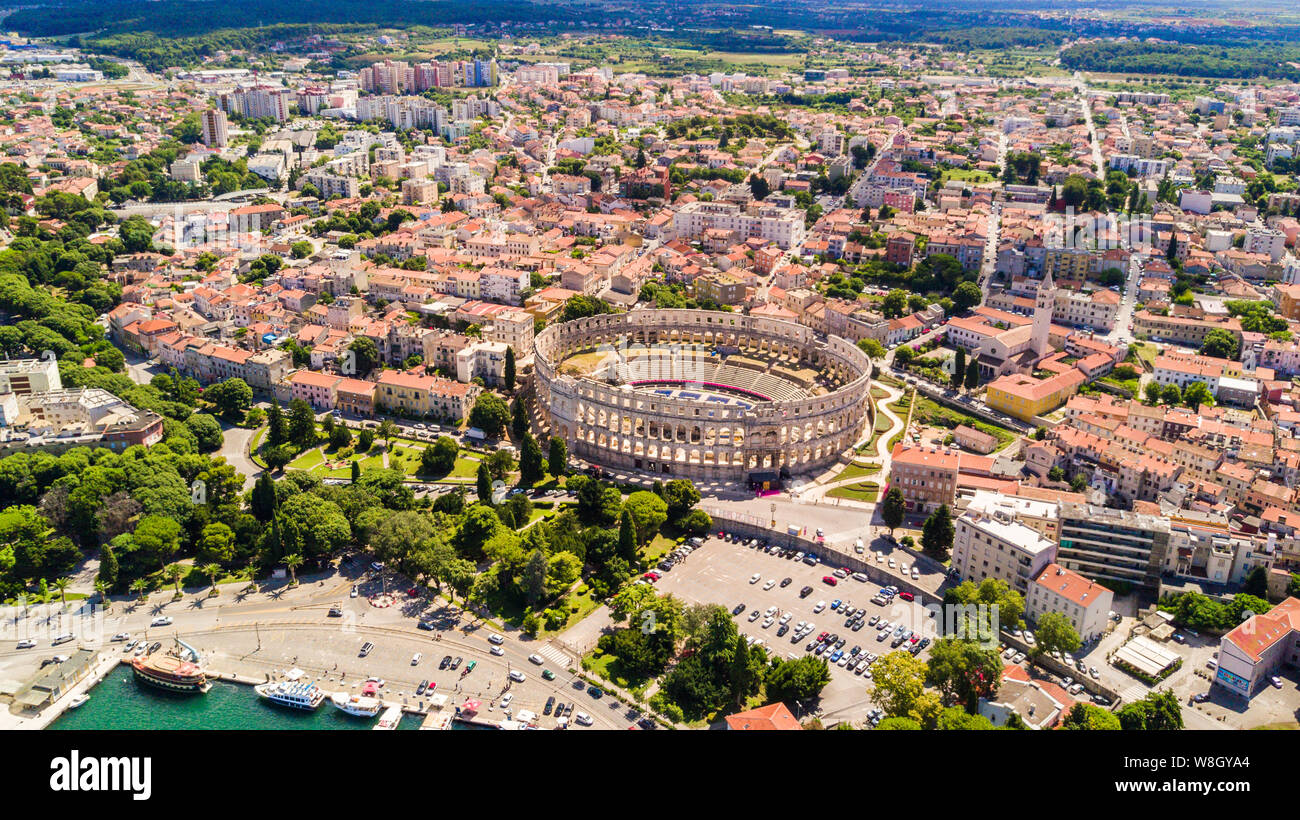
(962, 175)
(857, 471)
(932, 414)
(867, 491)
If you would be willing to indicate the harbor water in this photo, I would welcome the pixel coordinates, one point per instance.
(120, 702)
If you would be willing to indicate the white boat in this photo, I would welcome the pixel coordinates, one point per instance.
(78, 700)
(389, 720)
(358, 705)
(306, 696)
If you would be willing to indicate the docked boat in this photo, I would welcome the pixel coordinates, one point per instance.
(295, 695)
(357, 705)
(389, 720)
(168, 671)
(78, 701)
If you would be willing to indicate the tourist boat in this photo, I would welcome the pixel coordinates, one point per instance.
(168, 671)
(295, 695)
(78, 701)
(357, 705)
(391, 717)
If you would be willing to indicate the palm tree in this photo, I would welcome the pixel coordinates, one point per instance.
(141, 587)
(62, 586)
(213, 571)
(101, 589)
(175, 573)
(251, 572)
(293, 562)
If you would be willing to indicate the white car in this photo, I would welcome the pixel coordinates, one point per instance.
(161, 620)
(916, 576)
(415, 659)
(755, 578)
(770, 611)
(785, 619)
(537, 659)
(582, 719)
(496, 639)
(506, 698)
(891, 563)
(819, 606)
(517, 676)
(27, 643)
(771, 582)
(768, 621)
(880, 558)
(904, 568)
(121, 636)
(498, 651)
(857, 546)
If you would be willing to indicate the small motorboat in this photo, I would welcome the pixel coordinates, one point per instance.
(78, 701)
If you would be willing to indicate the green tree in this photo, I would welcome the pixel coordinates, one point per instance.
(232, 397)
(898, 687)
(937, 533)
(276, 434)
(626, 536)
(557, 457)
(959, 369)
(1152, 391)
(483, 483)
(531, 469)
(1157, 712)
(302, 423)
(1055, 632)
(964, 672)
(973, 374)
(1089, 718)
(794, 681)
(490, 414)
(1221, 344)
(893, 509)
(1172, 395)
(365, 357)
(509, 374)
(1197, 395)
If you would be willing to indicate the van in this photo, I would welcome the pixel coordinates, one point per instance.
(496, 639)
(366, 647)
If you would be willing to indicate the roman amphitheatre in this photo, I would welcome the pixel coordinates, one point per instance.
(701, 394)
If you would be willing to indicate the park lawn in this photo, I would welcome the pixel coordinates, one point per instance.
(580, 605)
(308, 460)
(867, 491)
(962, 175)
(256, 440)
(856, 470)
(658, 547)
(878, 392)
(935, 415)
(607, 666)
(1147, 352)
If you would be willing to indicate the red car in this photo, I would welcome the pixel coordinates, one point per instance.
(822, 637)
(906, 596)
(829, 579)
(651, 576)
(413, 592)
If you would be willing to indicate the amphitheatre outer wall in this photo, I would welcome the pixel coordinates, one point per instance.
(614, 425)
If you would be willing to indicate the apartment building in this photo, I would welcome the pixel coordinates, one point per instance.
(1115, 545)
(30, 376)
(990, 542)
(1086, 603)
(926, 475)
(783, 226)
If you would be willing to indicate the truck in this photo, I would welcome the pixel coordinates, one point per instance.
(475, 433)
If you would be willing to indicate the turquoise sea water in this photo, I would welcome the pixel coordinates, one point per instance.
(119, 702)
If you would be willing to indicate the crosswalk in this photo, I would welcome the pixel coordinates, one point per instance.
(554, 654)
(1134, 692)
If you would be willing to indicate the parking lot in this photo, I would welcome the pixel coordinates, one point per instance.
(720, 573)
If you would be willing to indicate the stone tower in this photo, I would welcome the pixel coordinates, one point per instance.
(1043, 306)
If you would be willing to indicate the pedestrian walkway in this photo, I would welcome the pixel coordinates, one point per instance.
(555, 655)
